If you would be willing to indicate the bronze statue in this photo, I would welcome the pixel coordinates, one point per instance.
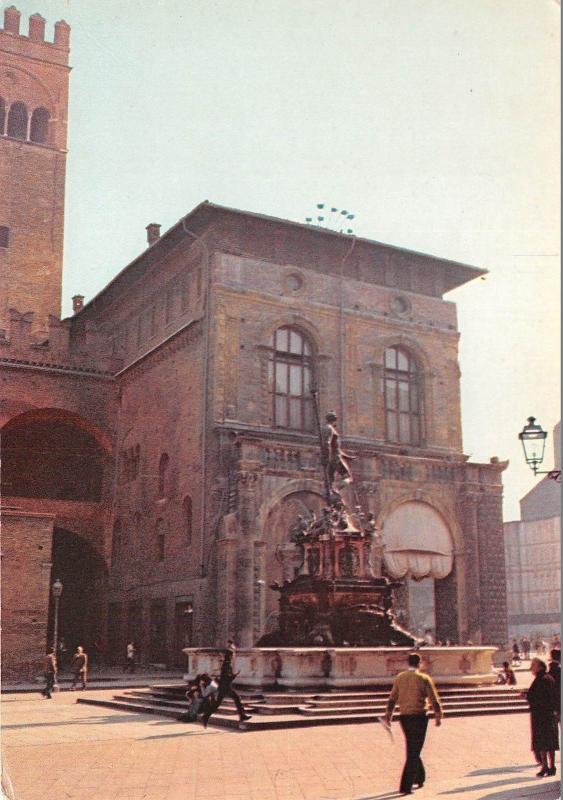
(334, 459)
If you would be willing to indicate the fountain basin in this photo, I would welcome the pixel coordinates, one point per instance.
(295, 668)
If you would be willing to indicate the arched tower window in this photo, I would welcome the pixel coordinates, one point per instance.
(187, 511)
(116, 540)
(402, 397)
(39, 125)
(17, 121)
(2, 116)
(160, 542)
(162, 470)
(291, 375)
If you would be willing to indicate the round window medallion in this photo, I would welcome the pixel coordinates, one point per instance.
(400, 304)
(294, 282)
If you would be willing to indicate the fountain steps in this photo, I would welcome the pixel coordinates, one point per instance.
(272, 710)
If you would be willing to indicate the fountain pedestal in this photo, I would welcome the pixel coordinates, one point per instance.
(322, 668)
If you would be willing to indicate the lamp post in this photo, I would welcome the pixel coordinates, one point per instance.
(57, 590)
(533, 439)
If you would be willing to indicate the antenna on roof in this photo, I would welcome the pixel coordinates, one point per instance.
(332, 218)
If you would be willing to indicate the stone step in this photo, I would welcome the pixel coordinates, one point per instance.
(449, 708)
(382, 701)
(284, 721)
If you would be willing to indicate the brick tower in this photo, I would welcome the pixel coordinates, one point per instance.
(33, 134)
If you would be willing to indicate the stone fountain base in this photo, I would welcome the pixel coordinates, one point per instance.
(295, 668)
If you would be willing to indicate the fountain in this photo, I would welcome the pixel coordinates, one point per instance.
(336, 625)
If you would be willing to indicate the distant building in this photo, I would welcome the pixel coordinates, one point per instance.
(533, 558)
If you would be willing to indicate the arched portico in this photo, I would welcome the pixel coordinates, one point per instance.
(423, 548)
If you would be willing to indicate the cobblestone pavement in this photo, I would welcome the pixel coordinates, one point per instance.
(58, 749)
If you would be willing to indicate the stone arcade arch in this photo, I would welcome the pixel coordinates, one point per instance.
(278, 523)
(83, 573)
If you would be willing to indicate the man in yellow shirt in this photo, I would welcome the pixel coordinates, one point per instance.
(413, 690)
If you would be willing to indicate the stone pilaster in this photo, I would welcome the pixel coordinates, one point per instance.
(494, 624)
(447, 623)
(472, 593)
(259, 605)
(226, 589)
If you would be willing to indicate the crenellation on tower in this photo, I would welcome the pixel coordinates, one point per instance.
(34, 42)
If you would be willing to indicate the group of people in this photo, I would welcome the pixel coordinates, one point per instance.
(522, 649)
(79, 667)
(205, 694)
(415, 692)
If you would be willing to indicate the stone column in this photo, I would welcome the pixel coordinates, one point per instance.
(259, 600)
(226, 588)
(247, 480)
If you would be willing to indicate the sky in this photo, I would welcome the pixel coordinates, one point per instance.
(436, 122)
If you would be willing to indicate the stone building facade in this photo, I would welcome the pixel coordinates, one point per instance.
(159, 444)
(533, 558)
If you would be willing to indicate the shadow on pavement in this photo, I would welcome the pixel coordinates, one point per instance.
(500, 770)
(477, 786)
(549, 791)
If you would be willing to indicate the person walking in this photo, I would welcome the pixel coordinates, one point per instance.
(50, 673)
(555, 672)
(525, 645)
(79, 668)
(130, 658)
(413, 690)
(226, 678)
(542, 699)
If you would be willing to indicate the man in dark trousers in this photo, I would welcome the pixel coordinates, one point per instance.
(413, 690)
(226, 678)
(50, 673)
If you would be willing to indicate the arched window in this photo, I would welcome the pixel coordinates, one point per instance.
(291, 376)
(17, 121)
(116, 541)
(162, 470)
(160, 531)
(2, 115)
(39, 125)
(402, 397)
(187, 510)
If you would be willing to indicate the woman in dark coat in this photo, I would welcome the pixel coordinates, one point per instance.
(542, 699)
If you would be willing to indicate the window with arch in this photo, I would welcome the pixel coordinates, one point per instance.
(116, 540)
(188, 518)
(17, 121)
(160, 532)
(162, 473)
(39, 128)
(402, 397)
(291, 377)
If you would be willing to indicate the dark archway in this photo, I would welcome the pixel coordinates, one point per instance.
(83, 574)
(50, 458)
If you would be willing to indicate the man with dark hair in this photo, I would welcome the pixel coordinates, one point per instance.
(225, 689)
(413, 690)
(50, 673)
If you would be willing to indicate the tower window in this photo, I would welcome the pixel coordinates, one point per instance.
(402, 400)
(4, 236)
(39, 125)
(187, 507)
(17, 121)
(162, 470)
(291, 374)
(160, 540)
(2, 116)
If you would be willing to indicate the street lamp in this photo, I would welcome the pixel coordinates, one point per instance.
(533, 439)
(57, 590)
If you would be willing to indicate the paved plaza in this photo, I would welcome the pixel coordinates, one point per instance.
(60, 749)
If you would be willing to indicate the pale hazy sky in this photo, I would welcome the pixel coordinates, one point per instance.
(435, 121)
